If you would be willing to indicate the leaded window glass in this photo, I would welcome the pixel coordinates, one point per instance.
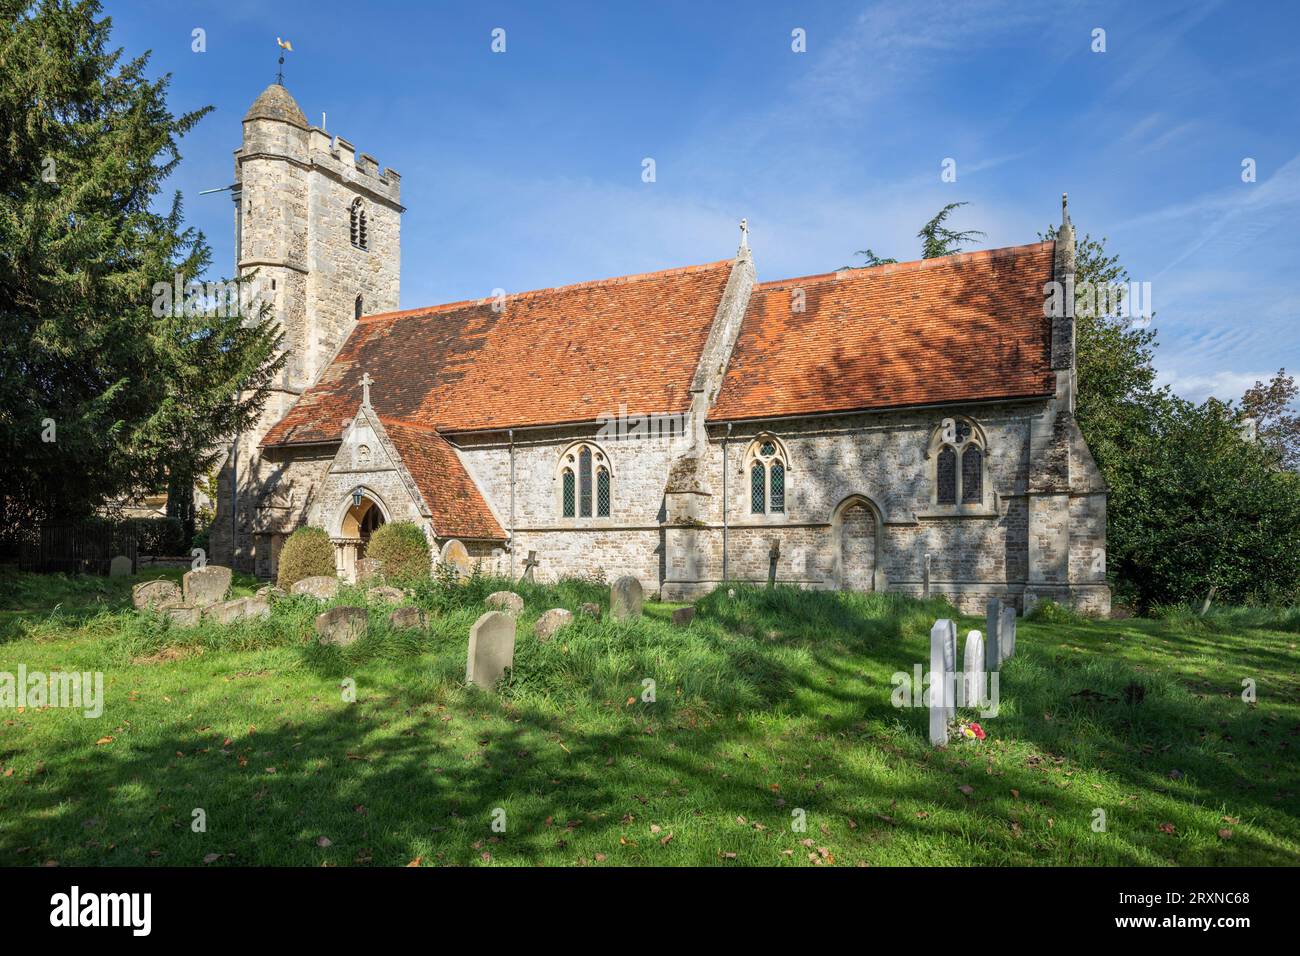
(946, 475)
(963, 430)
(570, 494)
(778, 486)
(757, 489)
(602, 493)
(972, 471)
(584, 482)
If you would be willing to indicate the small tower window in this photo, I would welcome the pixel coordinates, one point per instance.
(360, 232)
(358, 308)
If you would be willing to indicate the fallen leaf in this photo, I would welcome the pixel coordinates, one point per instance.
(324, 841)
(212, 858)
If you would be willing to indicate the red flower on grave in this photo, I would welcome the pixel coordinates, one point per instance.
(978, 730)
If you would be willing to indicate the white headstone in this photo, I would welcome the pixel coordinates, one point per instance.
(992, 636)
(973, 670)
(950, 667)
(491, 649)
(935, 697)
(1008, 631)
(625, 598)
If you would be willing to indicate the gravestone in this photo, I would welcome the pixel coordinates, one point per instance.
(206, 585)
(341, 626)
(550, 622)
(625, 598)
(684, 615)
(120, 567)
(226, 612)
(590, 609)
(992, 636)
(407, 617)
(1008, 631)
(259, 605)
(936, 696)
(491, 649)
(387, 594)
(186, 615)
(973, 670)
(773, 555)
(530, 565)
(369, 569)
(456, 555)
(322, 587)
(271, 593)
(507, 601)
(1030, 602)
(155, 594)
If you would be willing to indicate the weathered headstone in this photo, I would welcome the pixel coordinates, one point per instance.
(155, 594)
(530, 566)
(369, 569)
(992, 635)
(1030, 601)
(684, 615)
(259, 605)
(120, 567)
(1008, 631)
(507, 601)
(936, 698)
(550, 622)
(773, 555)
(590, 609)
(226, 612)
(973, 670)
(322, 587)
(950, 667)
(456, 555)
(271, 593)
(491, 649)
(341, 626)
(387, 594)
(206, 585)
(407, 617)
(186, 615)
(625, 598)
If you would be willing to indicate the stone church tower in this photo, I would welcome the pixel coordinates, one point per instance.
(319, 226)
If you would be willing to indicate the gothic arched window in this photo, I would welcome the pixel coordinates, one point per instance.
(767, 466)
(957, 448)
(360, 231)
(586, 482)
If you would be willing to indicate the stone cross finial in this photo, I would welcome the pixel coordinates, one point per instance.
(744, 233)
(366, 382)
(1065, 208)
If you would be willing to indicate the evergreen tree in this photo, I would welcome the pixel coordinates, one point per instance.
(99, 396)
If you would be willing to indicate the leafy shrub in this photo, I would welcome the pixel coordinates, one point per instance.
(1050, 612)
(307, 553)
(404, 550)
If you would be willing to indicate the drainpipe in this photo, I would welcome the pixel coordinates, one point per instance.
(512, 504)
(725, 468)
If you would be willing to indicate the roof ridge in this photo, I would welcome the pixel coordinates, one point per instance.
(911, 265)
(388, 422)
(533, 293)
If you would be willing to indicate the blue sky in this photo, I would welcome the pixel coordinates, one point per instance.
(522, 170)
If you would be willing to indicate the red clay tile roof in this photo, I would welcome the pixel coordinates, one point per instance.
(552, 356)
(961, 328)
(458, 508)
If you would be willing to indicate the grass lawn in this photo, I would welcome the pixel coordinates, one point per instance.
(768, 704)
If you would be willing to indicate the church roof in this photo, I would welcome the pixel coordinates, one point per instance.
(457, 506)
(552, 356)
(966, 327)
(276, 103)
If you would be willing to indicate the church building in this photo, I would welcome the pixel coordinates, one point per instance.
(906, 428)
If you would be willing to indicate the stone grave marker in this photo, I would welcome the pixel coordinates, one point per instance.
(226, 612)
(590, 609)
(1030, 602)
(1007, 630)
(973, 670)
(155, 594)
(455, 554)
(491, 649)
(388, 594)
(186, 615)
(530, 565)
(684, 615)
(120, 567)
(341, 626)
(992, 635)
(206, 585)
(773, 555)
(550, 622)
(925, 580)
(936, 698)
(369, 569)
(625, 598)
(322, 587)
(407, 617)
(507, 601)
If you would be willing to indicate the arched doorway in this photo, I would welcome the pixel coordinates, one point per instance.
(362, 516)
(856, 529)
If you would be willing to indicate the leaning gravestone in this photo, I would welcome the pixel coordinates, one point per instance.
(407, 617)
(120, 567)
(456, 555)
(491, 649)
(226, 612)
(550, 622)
(341, 626)
(1008, 631)
(993, 635)
(973, 670)
(684, 615)
(206, 585)
(940, 682)
(507, 601)
(155, 594)
(323, 587)
(625, 598)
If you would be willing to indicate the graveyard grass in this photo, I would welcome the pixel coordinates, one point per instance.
(775, 702)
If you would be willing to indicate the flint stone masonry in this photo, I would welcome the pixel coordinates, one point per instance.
(407, 617)
(322, 587)
(550, 622)
(341, 626)
(155, 594)
(491, 649)
(625, 598)
(207, 585)
(507, 601)
(120, 567)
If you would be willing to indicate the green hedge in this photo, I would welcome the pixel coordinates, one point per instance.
(308, 553)
(404, 550)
